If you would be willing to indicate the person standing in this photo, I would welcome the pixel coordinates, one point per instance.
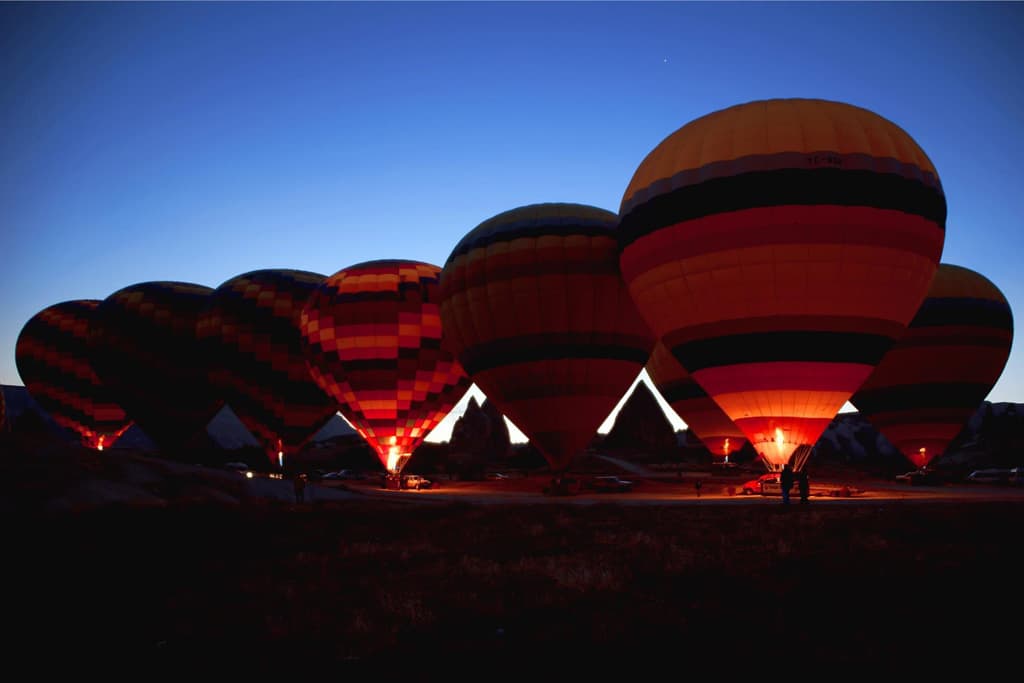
(786, 481)
(803, 485)
(300, 488)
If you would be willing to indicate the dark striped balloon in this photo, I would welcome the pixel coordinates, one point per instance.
(250, 329)
(778, 248)
(53, 359)
(146, 352)
(538, 315)
(372, 337)
(698, 410)
(937, 375)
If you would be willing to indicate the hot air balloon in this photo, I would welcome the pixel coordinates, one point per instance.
(372, 338)
(145, 350)
(701, 414)
(934, 378)
(779, 248)
(538, 315)
(250, 333)
(52, 355)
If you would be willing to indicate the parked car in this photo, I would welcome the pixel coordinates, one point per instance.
(997, 476)
(415, 481)
(609, 483)
(241, 467)
(344, 474)
(756, 486)
(922, 477)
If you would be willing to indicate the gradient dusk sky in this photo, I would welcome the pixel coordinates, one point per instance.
(197, 141)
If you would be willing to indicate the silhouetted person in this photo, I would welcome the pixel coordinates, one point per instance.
(698, 484)
(300, 488)
(786, 481)
(803, 485)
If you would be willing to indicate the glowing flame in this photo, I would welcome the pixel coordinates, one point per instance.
(280, 458)
(922, 450)
(395, 457)
(99, 444)
(725, 448)
(779, 441)
(248, 475)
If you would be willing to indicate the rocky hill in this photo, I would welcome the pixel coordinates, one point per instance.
(993, 437)
(641, 431)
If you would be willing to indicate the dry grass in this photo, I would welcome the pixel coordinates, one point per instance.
(364, 581)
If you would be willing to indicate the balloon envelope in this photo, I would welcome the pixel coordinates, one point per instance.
(372, 337)
(778, 248)
(538, 315)
(250, 333)
(701, 414)
(146, 352)
(53, 359)
(934, 378)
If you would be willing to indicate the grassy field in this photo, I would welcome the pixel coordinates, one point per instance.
(372, 582)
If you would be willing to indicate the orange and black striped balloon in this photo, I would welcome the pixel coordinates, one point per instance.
(250, 329)
(538, 315)
(145, 350)
(778, 248)
(53, 359)
(372, 338)
(937, 375)
(698, 410)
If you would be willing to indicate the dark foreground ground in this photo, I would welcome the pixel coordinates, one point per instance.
(111, 561)
(382, 584)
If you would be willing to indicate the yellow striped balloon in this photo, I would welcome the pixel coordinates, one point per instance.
(538, 315)
(936, 376)
(778, 248)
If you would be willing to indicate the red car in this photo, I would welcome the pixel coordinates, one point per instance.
(757, 485)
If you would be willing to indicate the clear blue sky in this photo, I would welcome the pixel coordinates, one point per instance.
(196, 141)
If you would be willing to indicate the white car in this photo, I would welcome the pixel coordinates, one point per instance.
(415, 481)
